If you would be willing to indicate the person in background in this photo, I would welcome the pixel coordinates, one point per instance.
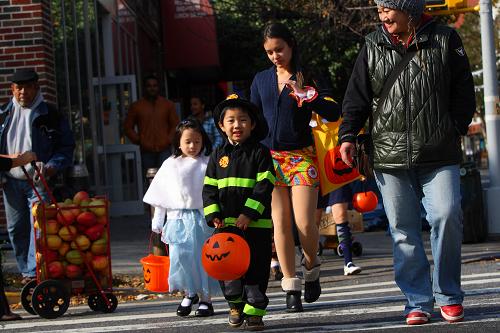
(339, 201)
(150, 123)
(30, 124)
(286, 95)
(198, 112)
(176, 192)
(417, 125)
(237, 198)
(6, 163)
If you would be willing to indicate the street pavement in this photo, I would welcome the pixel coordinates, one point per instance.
(369, 301)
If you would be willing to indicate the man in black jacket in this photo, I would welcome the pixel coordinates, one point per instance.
(418, 119)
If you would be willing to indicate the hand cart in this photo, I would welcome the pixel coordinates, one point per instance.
(73, 255)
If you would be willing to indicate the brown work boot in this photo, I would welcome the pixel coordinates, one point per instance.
(253, 323)
(235, 318)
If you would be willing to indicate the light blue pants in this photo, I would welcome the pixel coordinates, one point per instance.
(18, 197)
(439, 191)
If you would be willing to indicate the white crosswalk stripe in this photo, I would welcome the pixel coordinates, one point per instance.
(335, 302)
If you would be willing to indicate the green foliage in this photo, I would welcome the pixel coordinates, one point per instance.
(329, 34)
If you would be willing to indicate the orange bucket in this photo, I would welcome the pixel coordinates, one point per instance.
(155, 270)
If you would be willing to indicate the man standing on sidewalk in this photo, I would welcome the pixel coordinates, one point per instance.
(155, 119)
(28, 123)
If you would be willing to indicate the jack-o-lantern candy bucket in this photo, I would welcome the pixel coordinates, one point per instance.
(225, 256)
(155, 269)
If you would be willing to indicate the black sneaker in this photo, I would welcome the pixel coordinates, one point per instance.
(235, 318)
(253, 323)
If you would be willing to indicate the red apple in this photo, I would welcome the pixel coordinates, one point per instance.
(51, 256)
(73, 271)
(95, 232)
(79, 197)
(55, 269)
(86, 218)
(65, 216)
(75, 209)
(102, 219)
(100, 263)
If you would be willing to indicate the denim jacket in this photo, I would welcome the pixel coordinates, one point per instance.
(51, 137)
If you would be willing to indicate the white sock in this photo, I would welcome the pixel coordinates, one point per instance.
(202, 307)
(275, 263)
(186, 302)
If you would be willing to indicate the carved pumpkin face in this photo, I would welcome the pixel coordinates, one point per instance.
(365, 201)
(147, 274)
(336, 170)
(225, 256)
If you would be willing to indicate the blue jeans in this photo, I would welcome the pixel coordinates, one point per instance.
(18, 197)
(439, 191)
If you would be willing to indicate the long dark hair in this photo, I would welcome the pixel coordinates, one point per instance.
(279, 30)
(194, 124)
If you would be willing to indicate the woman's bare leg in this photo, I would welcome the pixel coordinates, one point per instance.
(283, 237)
(304, 201)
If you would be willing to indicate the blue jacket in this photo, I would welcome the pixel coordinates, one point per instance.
(51, 137)
(288, 124)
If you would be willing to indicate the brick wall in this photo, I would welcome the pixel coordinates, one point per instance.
(26, 41)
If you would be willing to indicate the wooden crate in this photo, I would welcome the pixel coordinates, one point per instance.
(327, 225)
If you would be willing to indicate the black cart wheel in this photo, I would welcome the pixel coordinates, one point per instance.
(26, 296)
(50, 299)
(357, 249)
(107, 308)
(93, 302)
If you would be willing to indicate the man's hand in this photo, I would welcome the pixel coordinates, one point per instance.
(347, 151)
(218, 223)
(24, 158)
(242, 222)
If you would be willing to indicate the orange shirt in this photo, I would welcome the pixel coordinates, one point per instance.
(155, 123)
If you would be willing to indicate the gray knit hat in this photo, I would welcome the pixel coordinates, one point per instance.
(414, 8)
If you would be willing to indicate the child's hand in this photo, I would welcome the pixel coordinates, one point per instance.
(243, 221)
(218, 223)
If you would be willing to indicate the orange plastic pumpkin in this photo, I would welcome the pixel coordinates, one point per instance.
(225, 256)
(336, 170)
(365, 201)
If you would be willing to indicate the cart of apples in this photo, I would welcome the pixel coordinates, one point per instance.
(72, 256)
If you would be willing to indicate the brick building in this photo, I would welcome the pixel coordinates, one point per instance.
(90, 56)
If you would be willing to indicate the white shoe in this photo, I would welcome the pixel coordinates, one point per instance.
(351, 269)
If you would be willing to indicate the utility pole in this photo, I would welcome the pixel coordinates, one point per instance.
(492, 115)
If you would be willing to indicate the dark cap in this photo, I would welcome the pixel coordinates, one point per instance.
(234, 101)
(24, 75)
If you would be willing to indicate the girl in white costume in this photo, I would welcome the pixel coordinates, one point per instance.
(176, 192)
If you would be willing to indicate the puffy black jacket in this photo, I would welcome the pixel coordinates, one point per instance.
(427, 109)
